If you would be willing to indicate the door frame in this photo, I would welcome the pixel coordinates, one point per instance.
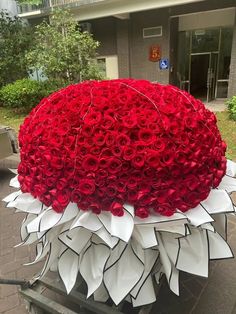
(208, 82)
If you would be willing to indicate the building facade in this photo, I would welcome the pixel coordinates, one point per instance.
(187, 43)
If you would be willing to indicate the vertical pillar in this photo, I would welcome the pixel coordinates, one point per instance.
(122, 27)
(174, 26)
(232, 73)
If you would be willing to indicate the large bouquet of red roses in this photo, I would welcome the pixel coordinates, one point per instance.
(123, 169)
(103, 144)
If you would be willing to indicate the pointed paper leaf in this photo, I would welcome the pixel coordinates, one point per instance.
(14, 182)
(124, 274)
(92, 266)
(88, 220)
(68, 267)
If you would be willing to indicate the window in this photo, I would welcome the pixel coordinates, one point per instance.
(152, 32)
(108, 66)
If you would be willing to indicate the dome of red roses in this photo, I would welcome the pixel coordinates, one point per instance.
(104, 144)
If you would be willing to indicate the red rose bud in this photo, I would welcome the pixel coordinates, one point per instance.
(142, 212)
(117, 209)
(86, 186)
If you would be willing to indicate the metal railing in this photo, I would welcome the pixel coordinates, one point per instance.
(47, 4)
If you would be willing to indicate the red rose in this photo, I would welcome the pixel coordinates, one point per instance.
(146, 136)
(107, 122)
(130, 121)
(99, 139)
(114, 165)
(86, 186)
(142, 212)
(138, 160)
(61, 201)
(117, 209)
(93, 118)
(122, 140)
(90, 163)
(128, 153)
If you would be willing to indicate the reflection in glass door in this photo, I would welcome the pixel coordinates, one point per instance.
(212, 76)
(199, 75)
(203, 71)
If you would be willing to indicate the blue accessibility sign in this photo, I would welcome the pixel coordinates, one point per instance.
(164, 64)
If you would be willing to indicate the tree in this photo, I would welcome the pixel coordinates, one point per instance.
(62, 51)
(15, 40)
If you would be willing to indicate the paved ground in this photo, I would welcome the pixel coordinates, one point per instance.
(216, 105)
(11, 259)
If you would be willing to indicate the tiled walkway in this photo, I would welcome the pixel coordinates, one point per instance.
(12, 259)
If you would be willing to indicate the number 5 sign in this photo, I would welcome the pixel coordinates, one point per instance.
(154, 53)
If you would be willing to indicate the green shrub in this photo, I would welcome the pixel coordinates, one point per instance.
(24, 94)
(232, 108)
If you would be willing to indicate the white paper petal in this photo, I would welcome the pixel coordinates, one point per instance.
(146, 295)
(76, 239)
(116, 253)
(168, 262)
(150, 257)
(88, 220)
(106, 237)
(220, 224)
(130, 209)
(178, 230)
(218, 201)
(44, 221)
(68, 274)
(124, 275)
(14, 182)
(145, 235)
(157, 219)
(92, 266)
(53, 254)
(11, 197)
(193, 254)
(228, 184)
(27, 203)
(218, 247)
(120, 227)
(231, 168)
(198, 216)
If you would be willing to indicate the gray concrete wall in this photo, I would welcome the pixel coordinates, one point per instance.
(9, 5)
(141, 67)
(104, 30)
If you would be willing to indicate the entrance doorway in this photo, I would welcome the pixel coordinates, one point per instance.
(203, 75)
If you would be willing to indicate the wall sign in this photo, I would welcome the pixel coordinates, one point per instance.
(164, 64)
(154, 53)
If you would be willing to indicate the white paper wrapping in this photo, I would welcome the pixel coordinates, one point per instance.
(122, 257)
